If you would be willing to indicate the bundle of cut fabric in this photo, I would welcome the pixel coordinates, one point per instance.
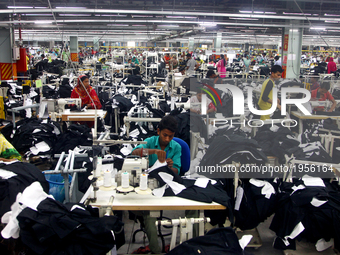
(33, 136)
(256, 200)
(307, 208)
(47, 226)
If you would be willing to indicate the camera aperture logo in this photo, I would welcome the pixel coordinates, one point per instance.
(211, 95)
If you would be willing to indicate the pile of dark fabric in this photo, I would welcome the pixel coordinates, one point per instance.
(55, 228)
(26, 174)
(311, 206)
(30, 133)
(133, 79)
(277, 143)
(228, 148)
(75, 135)
(216, 241)
(256, 200)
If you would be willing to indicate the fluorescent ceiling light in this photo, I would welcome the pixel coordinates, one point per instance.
(244, 18)
(334, 15)
(110, 15)
(270, 12)
(38, 14)
(208, 24)
(296, 13)
(61, 7)
(333, 31)
(168, 25)
(40, 7)
(72, 14)
(245, 11)
(318, 28)
(331, 21)
(138, 25)
(117, 25)
(141, 16)
(43, 22)
(20, 7)
(258, 12)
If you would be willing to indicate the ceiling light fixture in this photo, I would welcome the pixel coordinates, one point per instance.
(296, 13)
(73, 14)
(20, 7)
(61, 7)
(208, 24)
(318, 28)
(43, 22)
(244, 18)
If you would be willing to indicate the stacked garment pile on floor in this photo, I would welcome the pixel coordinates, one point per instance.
(307, 208)
(47, 226)
(33, 136)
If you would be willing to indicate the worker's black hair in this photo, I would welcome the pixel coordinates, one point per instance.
(209, 73)
(277, 58)
(325, 85)
(276, 68)
(168, 122)
(188, 55)
(181, 68)
(84, 77)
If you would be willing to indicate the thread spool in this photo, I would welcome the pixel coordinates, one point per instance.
(125, 180)
(99, 166)
(107, 178)
(143, 182)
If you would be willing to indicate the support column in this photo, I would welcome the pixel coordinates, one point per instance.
(218, 42)
(191, 44)
(35, 43)
(96, 43)
(74, 48)
(8, 67)
(52, 44)
(292, 46)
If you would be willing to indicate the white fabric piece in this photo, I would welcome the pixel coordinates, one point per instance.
(40, 147)
(126, 150)
(296, 231)
(4, 174)
(274, 128)
(317, 203)
(313, 181)
(239, 196)
(202, 182)
(134, 133)
(28, 111)
(295, 188)
(77, 207)
(322, 245)
(156, 165)
(159, 192)
(168, 179)
(267, 189)
(245, 240)
(36, 130)
(30, 197)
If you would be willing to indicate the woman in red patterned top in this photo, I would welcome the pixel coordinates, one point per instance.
(80, 92)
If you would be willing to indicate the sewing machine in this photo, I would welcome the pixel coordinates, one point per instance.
(134, 166)
(61, 102)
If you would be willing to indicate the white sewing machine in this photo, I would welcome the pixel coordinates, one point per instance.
(61, 102)
(134, 166)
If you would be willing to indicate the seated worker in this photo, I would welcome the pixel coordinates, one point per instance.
(322, 94)
(163, 148)
(265, 101)
(7, 151)
(135, 61)
(315, 84)
(196, 108)
(213, 78)
(85, 92)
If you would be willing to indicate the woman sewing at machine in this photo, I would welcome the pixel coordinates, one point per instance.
(85, 92)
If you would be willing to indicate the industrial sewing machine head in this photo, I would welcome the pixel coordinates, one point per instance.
(61, 102)
(134, 165)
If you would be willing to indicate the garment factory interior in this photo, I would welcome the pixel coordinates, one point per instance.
(179, 127)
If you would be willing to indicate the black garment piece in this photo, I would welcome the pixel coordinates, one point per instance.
(124, 104)
(65, 90)
(75, 135)
(267, 90)
(211, 193)
(30, 131)
(135, 80)
(55, 229)
(164, 106)
(9, 188)
(225, 149)
(255, 207)
(294, 207)
(218, 241)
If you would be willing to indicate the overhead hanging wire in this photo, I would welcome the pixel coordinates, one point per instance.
(311, 25)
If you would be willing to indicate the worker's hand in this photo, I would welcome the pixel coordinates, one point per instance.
(161, 155)
(7, 159)
(279, 107)
(278, 101)
(170, 162)
(329, 110)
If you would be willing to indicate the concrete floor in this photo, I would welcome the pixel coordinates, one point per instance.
(267, 237)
